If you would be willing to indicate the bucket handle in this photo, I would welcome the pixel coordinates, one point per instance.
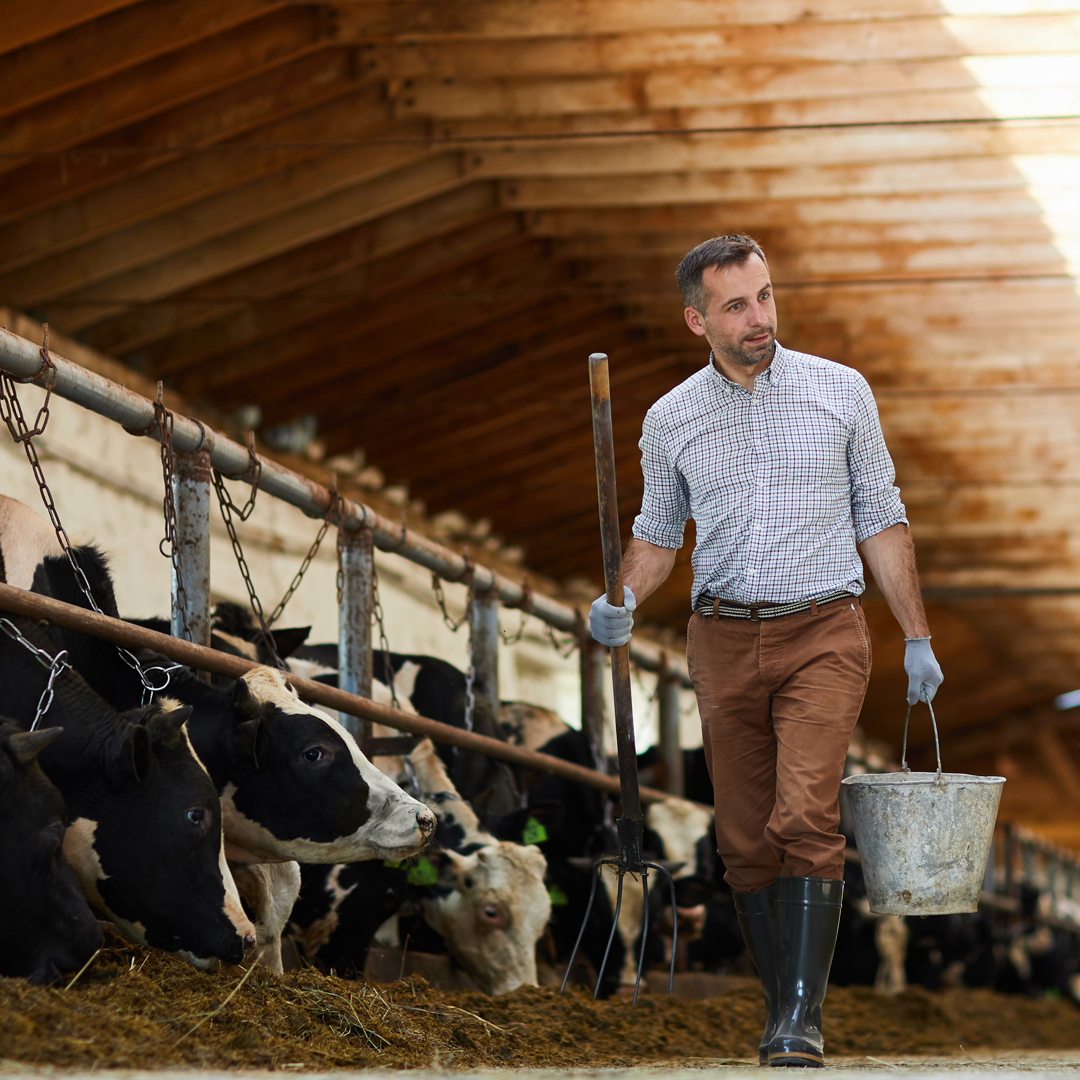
(937, 744)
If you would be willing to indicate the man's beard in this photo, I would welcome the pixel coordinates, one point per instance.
(745, 356)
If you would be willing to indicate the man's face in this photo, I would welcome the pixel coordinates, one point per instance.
(740, 316)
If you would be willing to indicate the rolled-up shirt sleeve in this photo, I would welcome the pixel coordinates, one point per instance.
(875, 498)
(665, 504)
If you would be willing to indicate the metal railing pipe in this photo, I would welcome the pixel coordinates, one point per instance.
(22, 358)
(34, 606)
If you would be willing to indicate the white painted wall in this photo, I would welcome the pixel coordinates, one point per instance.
(108, 488)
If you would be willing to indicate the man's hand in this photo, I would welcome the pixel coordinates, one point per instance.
(612, 625)
(923, 670)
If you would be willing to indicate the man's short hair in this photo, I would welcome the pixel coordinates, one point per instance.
(720, 251)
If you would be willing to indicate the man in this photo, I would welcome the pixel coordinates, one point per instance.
(779, 458)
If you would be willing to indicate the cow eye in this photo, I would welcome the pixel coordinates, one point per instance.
(314, 753)
(468, 883)
(195, 816)
(54, 834)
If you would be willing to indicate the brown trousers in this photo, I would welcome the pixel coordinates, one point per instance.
(778, 700)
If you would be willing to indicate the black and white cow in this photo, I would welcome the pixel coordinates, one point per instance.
(484, 897)
(145, 837)
(293, 783)
(47, 926)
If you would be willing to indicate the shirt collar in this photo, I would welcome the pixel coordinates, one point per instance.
(769, 377)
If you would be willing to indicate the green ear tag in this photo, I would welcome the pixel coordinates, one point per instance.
(534, 832)
(423, 873)
(394, 865)
(558, 897)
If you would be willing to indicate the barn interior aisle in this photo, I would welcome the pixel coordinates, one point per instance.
(380, 238)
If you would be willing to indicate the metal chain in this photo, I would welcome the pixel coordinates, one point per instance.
(524, 606)
(165, 424)
(566, 648)
(380, 622)
(12, 414)
(452, 625)
(53, 664)
(228, 508)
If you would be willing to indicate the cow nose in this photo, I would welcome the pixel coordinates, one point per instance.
(425, 821)
(249, 940)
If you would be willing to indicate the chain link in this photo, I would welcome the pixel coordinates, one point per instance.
(53, 664)
(12, 415)
(455, 625)
(565, 648)
(165, 424)
(380, 622)
(228, 508)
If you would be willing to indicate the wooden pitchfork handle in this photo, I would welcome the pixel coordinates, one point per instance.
(630, 823)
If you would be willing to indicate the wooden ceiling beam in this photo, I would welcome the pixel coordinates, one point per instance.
(26, 23)
(472, 19)
(254, 243)
(111, 43)
(128, 334)
(362, 284)
(153, 194)
(913, 147)
(228, 114)
(707, 45)
(259, 202)
(653, 224)
(682, 186)
(739, 96)
(350, 335)
(186, 74)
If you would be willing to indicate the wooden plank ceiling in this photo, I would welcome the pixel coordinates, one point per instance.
(415, 219)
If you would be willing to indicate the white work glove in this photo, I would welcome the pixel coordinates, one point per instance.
(923, 670)
(612, 625)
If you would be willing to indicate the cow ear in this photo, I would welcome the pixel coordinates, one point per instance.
(166, 724)
(288, 640)
(28, 744)
(129, 763)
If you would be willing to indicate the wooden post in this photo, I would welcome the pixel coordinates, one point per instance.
(593, 715)
(484, 642)
(668, 692)
(354, 623)
(191, 497)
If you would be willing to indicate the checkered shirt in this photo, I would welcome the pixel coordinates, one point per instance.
(781, 482)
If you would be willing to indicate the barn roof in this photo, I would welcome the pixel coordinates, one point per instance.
(414, 219)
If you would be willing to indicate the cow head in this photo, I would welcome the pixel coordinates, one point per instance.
(301, 789)
(47, 927)
(147, 843)
(491, 906)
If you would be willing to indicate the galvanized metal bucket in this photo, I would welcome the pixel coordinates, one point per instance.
(923, 837)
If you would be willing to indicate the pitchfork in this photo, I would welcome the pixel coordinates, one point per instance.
(630, 825)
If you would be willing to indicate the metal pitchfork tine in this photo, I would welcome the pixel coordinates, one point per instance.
(631, 824)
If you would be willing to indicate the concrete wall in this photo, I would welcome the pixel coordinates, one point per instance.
(108, 488)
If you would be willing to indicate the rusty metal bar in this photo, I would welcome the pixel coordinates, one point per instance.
(191, 495)
(21, 602)
(354, 623)
(109, 399)
(484, 647)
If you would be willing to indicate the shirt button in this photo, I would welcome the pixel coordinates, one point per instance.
(751, 570)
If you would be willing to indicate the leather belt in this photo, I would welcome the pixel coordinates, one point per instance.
(714, 606)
